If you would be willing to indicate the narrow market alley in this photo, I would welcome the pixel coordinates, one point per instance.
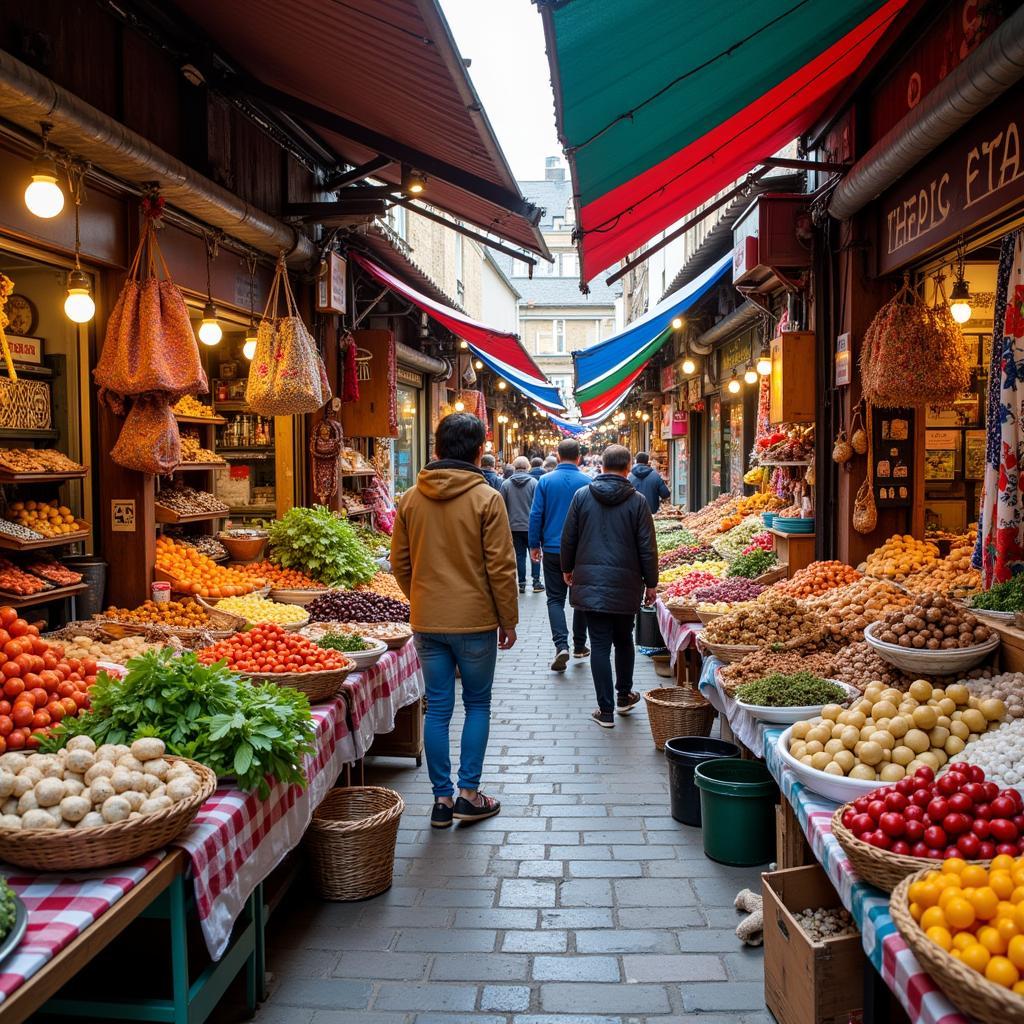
(583, 902)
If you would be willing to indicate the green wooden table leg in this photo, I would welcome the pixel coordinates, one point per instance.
(179, 950)
(260, 953)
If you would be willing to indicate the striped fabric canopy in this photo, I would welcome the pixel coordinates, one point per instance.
(500, 351)
(605, 372)
(568, 427)
(662, 105)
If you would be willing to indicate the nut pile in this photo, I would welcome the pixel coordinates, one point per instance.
(357, 606)
(180, 614)
(950, 575)
(933, 624)
(759, 664)
(774, 619)
(37, 460)
(189, 406)
(826, 923)
(192, 451)
(888, 734)
(849, 610)
(187, 501)
(818, 578)
(84, 787)
(385, 584)
(860, 665)
(1007, 687)
(203, 543)
(901, 556)
(117, 651)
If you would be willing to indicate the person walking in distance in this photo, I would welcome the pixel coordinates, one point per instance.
(647, 480)
(547, 515)
(517, 491)
(451, 553)
(491, 475)
(610, 560)
(536, 467)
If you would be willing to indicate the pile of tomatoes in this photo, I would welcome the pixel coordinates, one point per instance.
(40, 686)
(958, 814)
(268, 648)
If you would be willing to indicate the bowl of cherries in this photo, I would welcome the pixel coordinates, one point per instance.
(896, 830)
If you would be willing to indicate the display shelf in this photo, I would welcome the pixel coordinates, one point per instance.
(253, 510)
(233, 406)
(216, 421)
(16, 544)
(43, 597)
(13, 433)
(795, 462)
(358, 512)
(8, 477)
(245, 449)
(188, 467)
(168, 515)
(359, 472)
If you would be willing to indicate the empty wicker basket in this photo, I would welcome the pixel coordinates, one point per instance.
(677, 711)
(351, 842)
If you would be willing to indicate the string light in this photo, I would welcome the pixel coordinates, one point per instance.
(689, 365)
(502, 385)
(960, 296)
(460, 406)
(249, 345)
(44, 196)
(477, 365)
(764, 363)
(750, 374)
(734, 386)
(463, 344)
(677, 323)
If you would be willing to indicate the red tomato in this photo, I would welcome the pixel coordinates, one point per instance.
(34, 739)
(32, 681)
(55, 710)
(19, 627)
(40, 720)
(50, 660)
(6, 725)
(89, 681)
(22, 713)
(10, 669)
(81, 699)
(69, 706)
(16, 741)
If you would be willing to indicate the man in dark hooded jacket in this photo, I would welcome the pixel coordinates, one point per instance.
(647, 480)
(610, 560)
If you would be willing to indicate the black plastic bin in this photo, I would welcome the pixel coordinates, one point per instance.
(684, 753)
(648, 632)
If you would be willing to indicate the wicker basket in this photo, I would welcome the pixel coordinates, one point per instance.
(351, 842)
(317, 686)
(291, 595)
(89, 848)
(114, 630)
(970, 992)
(727, 652)
(677, 711)
(663, 665)
(780, 572)
(881, 868)
(288, 627)
(682, 612)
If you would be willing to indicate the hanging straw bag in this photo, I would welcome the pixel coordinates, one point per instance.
(149, 441)
(842, 450)
(858, 435)
(865, 514)
(149, 345)
(287, 375)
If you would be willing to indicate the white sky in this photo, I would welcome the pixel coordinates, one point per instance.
(505, 41)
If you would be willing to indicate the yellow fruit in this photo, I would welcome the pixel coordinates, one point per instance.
(1004, 862)
(1019, 988)
(962, 940)
(1006, 927)
(976, 956)
(990, 938)
(959, 913)
(1000, 971)
(954, 866)
(940, 936)
(925, 894)
(933, 917)
(1002, 883)
(916, 911)
(985, 902)
(1015, 951)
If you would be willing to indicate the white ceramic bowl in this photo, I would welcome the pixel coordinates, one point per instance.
(369, 658)
(787, 716)
(834, 787)
(930, 663)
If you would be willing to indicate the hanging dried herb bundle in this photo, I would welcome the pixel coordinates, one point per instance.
(913, 354)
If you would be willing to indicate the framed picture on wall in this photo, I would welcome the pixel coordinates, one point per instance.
(939, 465)
(974, 454)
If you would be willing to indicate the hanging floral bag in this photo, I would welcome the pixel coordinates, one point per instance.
(913, 355)
(149, 441)
(149, 345)
(287, 375)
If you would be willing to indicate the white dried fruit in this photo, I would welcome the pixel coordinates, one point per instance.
(115, 808)
(38, 819)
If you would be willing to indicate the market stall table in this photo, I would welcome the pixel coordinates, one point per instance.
(749, 730)
(680, 638)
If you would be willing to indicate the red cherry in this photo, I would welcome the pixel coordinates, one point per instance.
(925, 774)
(914, 831)
(1018, 820)
(848, 815)
(1003, 807)
(880, 839)
(862, 823)
(896, 802)
(950, 851)
(860, 805)
(987, 850)
(935, 837)
(876, 809)
(938, 808)
(968, 844)
(921, 797)
(1003, 831)
(935, 854)
(949, 783)
(892, 824)
(919, 850)
(991, 791)
(956, 824)
(914, 813)
(976, 773)
(980, 827)
(1015, 798)
(905, 786)
(901, 847)
(960, 803)
(975, 790)
(1007, 848)
(983, 811)
(962, 767)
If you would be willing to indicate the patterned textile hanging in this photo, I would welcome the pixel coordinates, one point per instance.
(350, 371)
(325, 444)
(999, 552)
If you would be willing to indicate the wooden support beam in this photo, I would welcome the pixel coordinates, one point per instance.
(338, 181)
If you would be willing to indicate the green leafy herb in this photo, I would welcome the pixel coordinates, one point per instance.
(343, 642)
(205, 712)
(796, 690)
(8, 910)
(1002, 597)
(322, 544)
(753, 565)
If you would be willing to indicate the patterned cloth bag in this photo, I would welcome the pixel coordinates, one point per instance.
(287, 375)
(149, 441)
(149, 345)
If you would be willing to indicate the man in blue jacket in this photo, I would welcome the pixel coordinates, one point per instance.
(647, 480)
(487, 464)
(551, 500)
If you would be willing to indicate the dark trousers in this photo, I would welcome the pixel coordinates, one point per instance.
(557, 590)
(520, 541)
(607, 631)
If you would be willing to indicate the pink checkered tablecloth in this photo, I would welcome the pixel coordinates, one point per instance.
(677, 635)
(60, 907)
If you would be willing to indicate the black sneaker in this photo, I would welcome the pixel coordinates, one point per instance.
(466, 811)
(522, 588)
(627, 703)
(583, 652)
(605, 719)
(561, 660)
(538, 587)
(441, 815)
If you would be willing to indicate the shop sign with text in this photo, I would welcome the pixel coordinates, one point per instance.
(973, 176)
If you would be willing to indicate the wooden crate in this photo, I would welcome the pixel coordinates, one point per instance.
(793, 389)
(406, 739)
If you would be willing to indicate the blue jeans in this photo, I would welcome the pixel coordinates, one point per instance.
(557, 590)
(475, 655)
(520, 541)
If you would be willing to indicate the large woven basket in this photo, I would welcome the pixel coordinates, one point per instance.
(291, 595)
(780, 572)
(288, 627)
(317, 686)
(677, 711)
(84, 849)
(351, 842)
(682, 612)
(727, 652)
(882, 869)
(970, 992)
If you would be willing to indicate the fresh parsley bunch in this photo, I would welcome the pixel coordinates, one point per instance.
(323, 545)
(205, 712)
(753, 565)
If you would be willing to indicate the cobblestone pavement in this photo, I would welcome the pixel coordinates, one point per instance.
(583, 902)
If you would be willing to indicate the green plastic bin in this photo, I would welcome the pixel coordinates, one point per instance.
(737, 809)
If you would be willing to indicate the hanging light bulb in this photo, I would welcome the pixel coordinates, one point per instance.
(463, 344)
(764, 363)
(413, 182)
(210, 331)
(734, 386)
(477, 365)
(44, 196)
(79, 306)
(689, 365)
(502, 385)
(460, 405)
(646, 417)
(750, 374)
(960, 296)
(249, 345)
(515, 424)
(677, 323)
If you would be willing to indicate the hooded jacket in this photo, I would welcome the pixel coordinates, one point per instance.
(492, 478)
(451, 552)
(517, 491)
(537, 472)
(551, 502)
(608, 545)
(647, 480)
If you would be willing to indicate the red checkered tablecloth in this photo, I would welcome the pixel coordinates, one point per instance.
(60, 907)
(677, 635)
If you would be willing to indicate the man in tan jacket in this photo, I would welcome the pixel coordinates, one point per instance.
(452, 555)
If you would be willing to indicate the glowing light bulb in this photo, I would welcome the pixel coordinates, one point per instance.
(764, 365)
(249, 346)
(677, 322)
(43, 196)
(502, 385)
(477, 365)
(463, 344)
(961, 312)
(734, 386)
(79, 306)
(645, 417)
(460, 406)
(210, 331)
(689, 365)
(960, 299)
(750, 375)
